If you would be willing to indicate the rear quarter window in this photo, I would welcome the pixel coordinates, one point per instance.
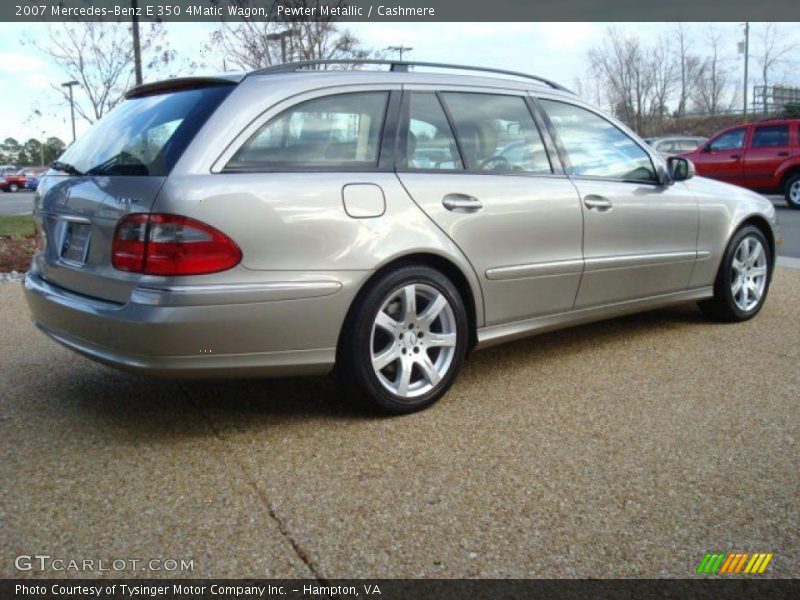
(338, 131)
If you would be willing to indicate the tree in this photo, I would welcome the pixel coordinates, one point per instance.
(688, 66)
(251, 45)
(638, 79)
(713, 78)
(99, 55)
(773, 48)
(10, 151)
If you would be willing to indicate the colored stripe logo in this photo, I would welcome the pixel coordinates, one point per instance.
(735, 562)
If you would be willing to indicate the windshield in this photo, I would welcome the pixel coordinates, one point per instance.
(143, 136)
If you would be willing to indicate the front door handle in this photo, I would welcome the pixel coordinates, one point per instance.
(599, 202)
(461, 203)
(783, 154)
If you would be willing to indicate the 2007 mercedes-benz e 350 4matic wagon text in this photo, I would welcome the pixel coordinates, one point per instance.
(385, 223)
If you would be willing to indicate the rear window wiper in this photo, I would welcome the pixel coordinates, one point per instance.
(66, 168)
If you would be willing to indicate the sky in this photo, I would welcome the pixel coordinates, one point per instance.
(556, 51)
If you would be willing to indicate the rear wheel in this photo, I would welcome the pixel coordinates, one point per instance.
(792, 191)
(743, 278)
(405, 340)
(13, 187)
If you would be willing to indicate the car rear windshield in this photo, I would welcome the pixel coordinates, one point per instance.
(144, 135)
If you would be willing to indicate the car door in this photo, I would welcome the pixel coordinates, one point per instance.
(478, 165)
(640, 237)
(768, 149)
(722, 157)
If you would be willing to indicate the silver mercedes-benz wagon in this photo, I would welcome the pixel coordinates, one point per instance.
(296, 219)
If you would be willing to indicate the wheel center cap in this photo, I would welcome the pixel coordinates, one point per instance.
(410, 340)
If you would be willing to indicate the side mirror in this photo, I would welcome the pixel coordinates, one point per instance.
(680, 168)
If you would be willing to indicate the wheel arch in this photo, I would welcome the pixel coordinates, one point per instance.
(762, 225)
(789, 172)
(434, 261)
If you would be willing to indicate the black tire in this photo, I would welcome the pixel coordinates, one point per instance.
(13, 188)
(354, 361)
(722, 306)
(792, 180)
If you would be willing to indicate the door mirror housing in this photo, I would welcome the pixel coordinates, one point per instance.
(680, 168)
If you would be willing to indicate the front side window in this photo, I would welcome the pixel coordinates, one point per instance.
(497, 133)
(730, 140)
(335, 131)
(597, 148)
(430, 143)
(771, 136)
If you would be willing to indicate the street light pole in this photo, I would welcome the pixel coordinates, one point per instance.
(281, 36)
(400, 49)
(70, 84)
(137, 49)
(746, 61)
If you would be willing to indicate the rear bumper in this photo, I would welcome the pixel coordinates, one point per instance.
(274, 329)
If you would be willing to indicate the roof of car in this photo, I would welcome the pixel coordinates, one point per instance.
(397, 73)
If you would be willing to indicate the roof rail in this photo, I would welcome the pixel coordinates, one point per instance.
(400, 65)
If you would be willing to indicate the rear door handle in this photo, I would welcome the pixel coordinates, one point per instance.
(461, 203)
(736, 156)
(599, 202)
(783, 154)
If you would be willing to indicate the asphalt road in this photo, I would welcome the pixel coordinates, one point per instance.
(628, 448)
(22, 203)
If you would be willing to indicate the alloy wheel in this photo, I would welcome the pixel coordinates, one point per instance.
(748, 274)
(413, 340)
(794, 192)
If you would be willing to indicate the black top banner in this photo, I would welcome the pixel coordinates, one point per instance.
(398, 10)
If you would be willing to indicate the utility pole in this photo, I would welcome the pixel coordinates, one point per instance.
(400, 49)
(70, 84)
(137, 49)
(41, 148)
(746, 61)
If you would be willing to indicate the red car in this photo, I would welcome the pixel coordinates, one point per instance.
(13, 181)
(761, 156)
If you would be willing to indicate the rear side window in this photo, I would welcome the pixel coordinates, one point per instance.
(431, 143)
(770, 136)
(497, 133)
(730, 140)
(146, 135)
(341, 131)
(597, 148)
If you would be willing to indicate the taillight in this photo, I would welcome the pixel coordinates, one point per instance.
(159, 244)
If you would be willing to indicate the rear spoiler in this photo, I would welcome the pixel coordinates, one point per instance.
(181, 83)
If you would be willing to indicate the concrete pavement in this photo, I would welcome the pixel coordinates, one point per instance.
(619, 449)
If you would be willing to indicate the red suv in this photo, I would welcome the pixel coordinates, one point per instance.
(761, 156)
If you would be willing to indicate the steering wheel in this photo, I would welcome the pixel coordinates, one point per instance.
(497, 162)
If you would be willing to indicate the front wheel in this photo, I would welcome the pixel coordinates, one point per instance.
(743, 278)
(792, 191)
(405, 340)
(13, 187)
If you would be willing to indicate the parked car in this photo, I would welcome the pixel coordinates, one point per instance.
(13, 181)
(8, 170)
(32, 177)
(762, 156)
(277, 223)
(675, 145)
